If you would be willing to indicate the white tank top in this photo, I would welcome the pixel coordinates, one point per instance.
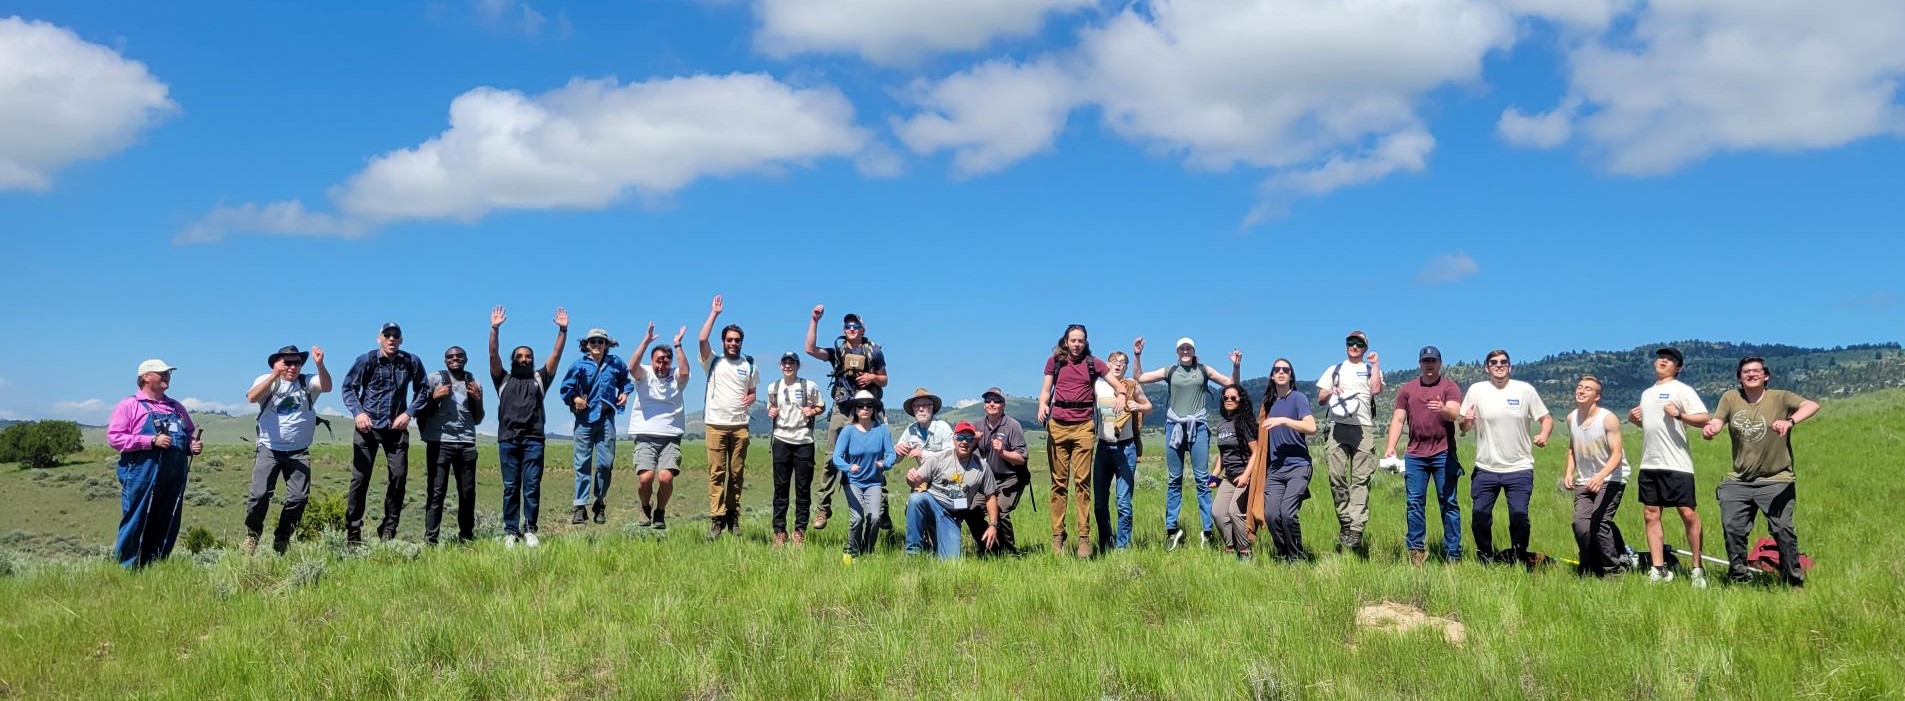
(1590, 447)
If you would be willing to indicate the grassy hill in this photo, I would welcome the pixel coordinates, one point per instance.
(619, 611)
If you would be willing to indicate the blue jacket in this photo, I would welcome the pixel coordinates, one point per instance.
(599, 385)
(377, 385)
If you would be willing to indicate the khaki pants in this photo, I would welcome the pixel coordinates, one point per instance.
(1073, 447)
(727, 457)
(1352, 461)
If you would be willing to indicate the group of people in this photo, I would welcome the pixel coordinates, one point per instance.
(971, 476)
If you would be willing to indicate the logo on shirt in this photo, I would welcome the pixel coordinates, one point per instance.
(1514, 402)
(1664, 396)
(1751, 427)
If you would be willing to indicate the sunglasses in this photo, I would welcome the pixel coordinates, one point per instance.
(293, 362)
(1281, 369)
(1498, 363)
(1356, 343)
(396, 336)
(596, 341)
(455, 356)
(853, 327)
(964, 438)
(1233, 399)
(990, 400)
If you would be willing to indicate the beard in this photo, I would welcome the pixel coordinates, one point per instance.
(522, 370)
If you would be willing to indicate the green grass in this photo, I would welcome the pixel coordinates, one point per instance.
(616, 612)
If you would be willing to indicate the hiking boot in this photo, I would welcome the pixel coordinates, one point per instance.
(1205, 539)
(780, 539)
(1058, 544)
(530, 540)
(250, 547)
(1084, 548)
(1660, 575)
(820, 520)
(716, 528)
(601, 514)
(1417, 557)
(280, 545)
(734, 524)
(1698, 577)
(800, 538)
(1173, 537)
(354, 538)
(581, 516)
(661, 521)
(648, 517)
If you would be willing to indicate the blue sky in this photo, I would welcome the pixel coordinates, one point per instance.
(1536, 175)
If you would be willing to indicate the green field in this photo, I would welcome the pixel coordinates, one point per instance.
(617, 612)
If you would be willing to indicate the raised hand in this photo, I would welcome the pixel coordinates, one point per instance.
(562, 318)
(1236, 357)
(317, 355)
(1373, 360)
(820, 310)
(649, 335)
(497, 316)
(1137, 346)
(679, 334)
(715, 308)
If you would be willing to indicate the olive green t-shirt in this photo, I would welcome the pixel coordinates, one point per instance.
(1759, 453)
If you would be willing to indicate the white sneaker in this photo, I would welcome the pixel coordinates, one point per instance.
(1660, 575)
(1698, 578)
(531, 540)
(509, 542)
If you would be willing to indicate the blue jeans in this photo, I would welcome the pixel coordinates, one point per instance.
(1446, 474)
(594, 440)
(522, 483)
(1200, 470)
(923, 512)
(151, 495)
(1116, 468)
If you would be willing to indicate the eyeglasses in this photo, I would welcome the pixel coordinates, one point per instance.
(1500, 363)
(853, 327)
(396, 336)
(1281, 370)
(964, 438)
(455, 356)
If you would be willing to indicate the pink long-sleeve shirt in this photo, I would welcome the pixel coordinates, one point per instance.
(126, 431)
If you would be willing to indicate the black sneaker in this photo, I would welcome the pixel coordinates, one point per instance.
(601, 514)
(280, 545)
(354, 538)
(581, 516)
(648, 517)
(661, 521)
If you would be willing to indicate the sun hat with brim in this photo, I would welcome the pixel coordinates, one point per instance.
(601, 334)
(921, 395)
(155, 365)
(863, 398)
(287, 351)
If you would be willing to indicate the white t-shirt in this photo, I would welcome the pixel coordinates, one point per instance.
(1502, 415)
(1108, 412)
(289, 421)
(1663, 439)
(1589, 443)
(728, 385)
(1352, 402)
(656, 410)
(794, 427)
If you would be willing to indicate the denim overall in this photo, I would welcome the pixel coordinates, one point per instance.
(152, 491)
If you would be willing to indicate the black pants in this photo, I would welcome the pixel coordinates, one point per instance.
(364, 446)
(447, 459)
(1595, 534)
(1010, 490)
(793, 467)
(295, 467)
(1483, 492)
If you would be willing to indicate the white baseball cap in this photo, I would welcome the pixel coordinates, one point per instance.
(155, 365)
(1185, 341)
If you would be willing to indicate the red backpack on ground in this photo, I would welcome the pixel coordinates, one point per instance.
(1765, 557)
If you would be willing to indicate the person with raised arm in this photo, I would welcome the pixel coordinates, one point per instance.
(656, 422)
(287, 424)
(1187, 432)
(857, 363)
(520, 425)
(732, 380)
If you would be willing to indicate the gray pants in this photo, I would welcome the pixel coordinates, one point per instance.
(1595, 533)
(868, 505)
(829, 476)
(1285, 490)
(295, 466)
(1231, 511)
(1739, 502)
(1352, 458)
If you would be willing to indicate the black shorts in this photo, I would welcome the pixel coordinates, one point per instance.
(1665, 488)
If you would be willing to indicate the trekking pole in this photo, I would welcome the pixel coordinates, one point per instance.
(1707, 558)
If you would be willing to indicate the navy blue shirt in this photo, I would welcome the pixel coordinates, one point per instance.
(1288, 447)
(377, 385)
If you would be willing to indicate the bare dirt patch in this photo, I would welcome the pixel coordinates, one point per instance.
(1392, 617)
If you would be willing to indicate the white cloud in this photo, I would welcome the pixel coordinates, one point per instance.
(205, 406)
(517, 17)
(963, 403)
(92, 411)
(1321, 95)
(897, 31)
(1544, 130)
(65, 100)
(989, 116)
(84, 405)
(1687, 79)
(1571, 14)
(331, 410)
(1444, 269)
(586, 145)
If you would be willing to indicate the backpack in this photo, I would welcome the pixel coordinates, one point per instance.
(1091, 380)
(1340, 408)
(747, 361)
(842, 389)
(779, 390)
(309, 403)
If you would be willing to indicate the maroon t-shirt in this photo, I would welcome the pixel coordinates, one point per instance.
(1072, 385)
(1428, 432)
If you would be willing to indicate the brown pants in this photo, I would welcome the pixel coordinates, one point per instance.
(1071, 455)
(727, 457)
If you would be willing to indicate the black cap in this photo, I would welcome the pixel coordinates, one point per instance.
(790, 355)
(851, 319)
(1671, 352)
(392, 329)
(1430, 353)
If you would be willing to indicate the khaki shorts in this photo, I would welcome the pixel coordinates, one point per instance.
(657, 452)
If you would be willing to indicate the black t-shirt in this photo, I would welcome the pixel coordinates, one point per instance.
(1233, 438)
(519, 413)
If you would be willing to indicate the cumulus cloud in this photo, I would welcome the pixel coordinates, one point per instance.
(1320, 95)
(207, 406)
(963, 403)
(93, 411)
(64, 100)
(1544, 130)
(897, 31)
(1444, 269)
(518, 17)
(1688, 79)
(331, 410)
(586, 145)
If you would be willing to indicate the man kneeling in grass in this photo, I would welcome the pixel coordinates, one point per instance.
(958, 489)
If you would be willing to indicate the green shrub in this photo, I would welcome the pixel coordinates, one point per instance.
(322, 511)
(39, 444)
(200, 538)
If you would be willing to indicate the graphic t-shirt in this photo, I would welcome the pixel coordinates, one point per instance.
(1759, 454)
(1663, 438)
(1352, 402)
(289, 421)
(794, 427)
(956, 484)
(1588, 441)
(1233, 439)
(1502, 415)
(1428, 432)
